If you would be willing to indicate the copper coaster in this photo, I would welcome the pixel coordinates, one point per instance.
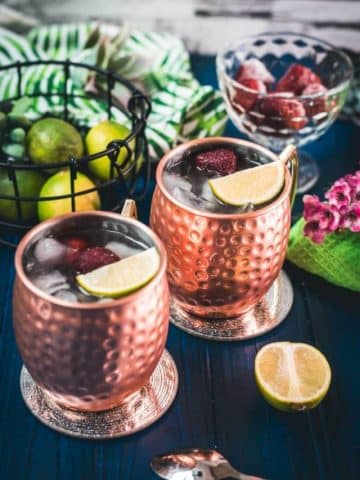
(266, 315)
(138, 412)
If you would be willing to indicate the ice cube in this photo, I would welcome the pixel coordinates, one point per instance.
(203, 198)
(249, 207)
(50, 282)
(190, 199)
(173, 181)
(122, 249)
(66, 295)
(181, 195)
(206, 193)
(30, 264)
(49, 252)
(105, 300)
(204, 203)
(183, 183)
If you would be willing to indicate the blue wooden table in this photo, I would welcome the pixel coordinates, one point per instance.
(218, 404)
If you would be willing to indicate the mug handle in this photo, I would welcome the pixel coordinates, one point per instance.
(290, 159)
(129, 209)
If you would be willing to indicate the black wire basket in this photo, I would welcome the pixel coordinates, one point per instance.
(125, 181)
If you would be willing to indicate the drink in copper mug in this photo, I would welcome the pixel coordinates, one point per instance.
(86, 352)
(53, 261)
(222, 259)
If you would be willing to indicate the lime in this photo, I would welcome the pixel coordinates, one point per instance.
(29, 183)
(122, 277)
(292, 376)
(59, 184)
(17, 135)
(52, 140)
(255, 185)
(97, 140)
(14, 150)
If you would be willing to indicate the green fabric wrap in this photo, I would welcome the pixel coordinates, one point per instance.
(337, 259)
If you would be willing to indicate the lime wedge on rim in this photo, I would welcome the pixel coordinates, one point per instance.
(122, 277)
(255, 185)
(292, 376)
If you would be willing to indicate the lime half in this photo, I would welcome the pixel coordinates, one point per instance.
(122, 277)
(292, 376)
(255, 185)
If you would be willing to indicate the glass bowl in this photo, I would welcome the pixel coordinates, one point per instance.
(276, 119)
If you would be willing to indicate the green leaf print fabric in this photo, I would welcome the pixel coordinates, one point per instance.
(158, 64)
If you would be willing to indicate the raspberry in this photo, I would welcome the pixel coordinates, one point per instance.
(221, 161)
(296, 78)
(253, 68)
(246, 99)
(317, 105)
(283, 112)
(93, 257)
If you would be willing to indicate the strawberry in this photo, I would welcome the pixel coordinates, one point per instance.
(317, 105)
(254, 68)
(75, 243)
(221, 161)
(296, 78)
(245, 99)
(91, 258)
(283, 112)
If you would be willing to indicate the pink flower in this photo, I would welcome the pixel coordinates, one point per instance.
(312, 205)
(342, 211)
(326, 215)
(314, 231)
(339, 195)
(323, 220)
(353, 180)
(330, 218)
(351, 218)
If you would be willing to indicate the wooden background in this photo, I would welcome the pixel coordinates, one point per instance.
(205, 25)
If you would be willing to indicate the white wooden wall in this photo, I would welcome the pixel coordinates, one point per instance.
(205, 25)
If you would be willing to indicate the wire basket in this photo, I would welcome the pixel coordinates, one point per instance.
(125, 181)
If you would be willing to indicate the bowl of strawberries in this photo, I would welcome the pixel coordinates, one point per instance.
(284, 88)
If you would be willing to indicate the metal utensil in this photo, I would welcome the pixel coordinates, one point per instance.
(196, 463)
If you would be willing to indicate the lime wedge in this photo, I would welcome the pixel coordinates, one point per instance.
(122, 277)
(292, 376)
(254, 185)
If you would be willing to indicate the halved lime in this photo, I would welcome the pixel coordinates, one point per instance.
(255, 185)
(292, 376)
(122, 277)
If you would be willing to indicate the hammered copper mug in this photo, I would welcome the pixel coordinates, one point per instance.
(221, 265)
(90, 356)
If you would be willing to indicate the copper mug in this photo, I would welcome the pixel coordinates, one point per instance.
(221, 265)
(90, 356)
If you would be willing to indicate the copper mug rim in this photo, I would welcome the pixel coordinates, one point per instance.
(230, 140)
(86, 305)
